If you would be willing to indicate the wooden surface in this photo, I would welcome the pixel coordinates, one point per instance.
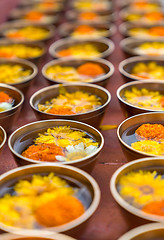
(109, 222)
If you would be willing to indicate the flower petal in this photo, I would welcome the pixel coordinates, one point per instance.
(70, 149)
(91, 149)
(60, 158)
(80, 146)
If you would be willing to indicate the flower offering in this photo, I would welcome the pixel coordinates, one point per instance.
(152, 48)
(144, 98)
(83, 31)
(42, 201)
(86, 72)
(61, 144)
(152, 32)
(150, 70)
(6, 102)
(94, 5)
(149, 17)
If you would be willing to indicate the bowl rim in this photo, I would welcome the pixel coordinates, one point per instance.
(5, 137)
(123, 203)
(141, 229)
(46, 89)
(133, 84)
(64, 60)
(68, 226)
(7, 26)
(16, 90)
(128, 146)
(109, 43)
(130, 60)
(110, 28)
(56, 163)
(6, 42)
(21, 61)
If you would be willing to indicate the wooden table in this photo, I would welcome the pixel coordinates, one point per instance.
(109, 222)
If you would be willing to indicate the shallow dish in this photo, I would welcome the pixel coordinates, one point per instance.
(93, 30)
(92, 117)
(145, 164)
(126, 66)
(126, 134)
(88, 190)
(91, 17)
(36, 236)
(18, 144)
(99, 80)
(10, 54)
(9, 27)
(132, 109)
(26, 82)
(131, 46)
(142, 31)
(8, 117)
(146, 232)
(104, 47)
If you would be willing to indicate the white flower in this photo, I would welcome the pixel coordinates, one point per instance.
(76, 152)
(5, 106)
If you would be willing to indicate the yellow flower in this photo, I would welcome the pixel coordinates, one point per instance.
(148, 146)
(142, 187)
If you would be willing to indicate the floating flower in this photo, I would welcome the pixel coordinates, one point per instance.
(150, 132)
(155, 208)
(77, 152)
(142, 187)
(147, 146)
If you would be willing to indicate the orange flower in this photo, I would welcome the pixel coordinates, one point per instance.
(154, 16)
(84, 29)
(157, 31)
(14, 35)
(61, 110)
(88, 16)
(33, 15)
(155, 208)
(150, 132)
(4, 97)
(61, 210)
(4, 54)
(65, 53)
(90, 69)
(45, 152)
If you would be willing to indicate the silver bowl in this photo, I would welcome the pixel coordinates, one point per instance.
(36, 236)
(93, 117)
(89, 194)
(126, 66)
(17, 143)
(125, 27)
(129, 45)
(102, 80)
(66, 29)
(18, 24)
(105, 46)
(133, 123)
(26, 83)
(8, 117)
(150, 164)
(150, 231)
(6, 42)
(130, 109)
(105, 16)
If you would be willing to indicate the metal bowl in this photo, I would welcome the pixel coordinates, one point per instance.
(37, 236)
(93, 117)
(25, 84)
(125, 28)
(150, 164)
(18, 144)
(6, 42)
(104, 17)
(126, 66)
(130, 44)
(102, 80)
(134, 122)
(3, 137)
(150, 231)
(130, 109)
(89, 194)
(66, 29)
(18, 24)
(8, 117)
(105, 46)
(19, 14)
